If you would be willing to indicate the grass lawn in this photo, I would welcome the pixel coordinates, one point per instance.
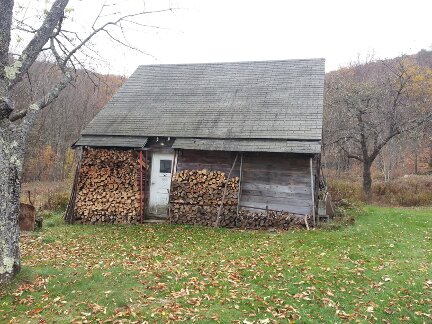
(378, 269)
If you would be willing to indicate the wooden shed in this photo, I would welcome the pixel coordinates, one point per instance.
(228, 144)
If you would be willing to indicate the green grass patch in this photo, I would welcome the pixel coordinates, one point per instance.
(377, 269)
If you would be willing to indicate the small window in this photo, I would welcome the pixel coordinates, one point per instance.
(165, 166)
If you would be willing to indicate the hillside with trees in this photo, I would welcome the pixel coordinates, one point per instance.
(49, 156)
(377, 119)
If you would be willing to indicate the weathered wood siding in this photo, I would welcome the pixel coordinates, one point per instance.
(278, 181)
(210, 160)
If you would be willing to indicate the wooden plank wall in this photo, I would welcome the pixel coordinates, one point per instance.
(210, 160)
(278, 181)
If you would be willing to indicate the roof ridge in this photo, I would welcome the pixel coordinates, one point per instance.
(318, 59)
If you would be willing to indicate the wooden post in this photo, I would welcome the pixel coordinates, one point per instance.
(240, 183)
(141, 187)
(173, 170)
(306, 222)
(313, 193)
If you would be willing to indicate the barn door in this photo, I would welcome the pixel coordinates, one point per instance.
(160, 182)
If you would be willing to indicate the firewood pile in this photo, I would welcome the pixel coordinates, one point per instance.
(270, 219)
(203, 215)
(197, 194)
(108, 187)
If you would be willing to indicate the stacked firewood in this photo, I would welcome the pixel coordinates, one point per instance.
(203, 187)
(271, 219)
(108, 187)
(203, 215)
(197, 194)
(196, 197)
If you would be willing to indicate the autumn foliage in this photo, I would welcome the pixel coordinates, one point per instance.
(49, 156)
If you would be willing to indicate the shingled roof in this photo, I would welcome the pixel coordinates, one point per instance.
(248, 145)
(239, 100)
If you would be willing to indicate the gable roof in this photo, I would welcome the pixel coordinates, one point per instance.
(238, 100)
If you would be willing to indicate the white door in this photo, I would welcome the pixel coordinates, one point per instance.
(160, 181)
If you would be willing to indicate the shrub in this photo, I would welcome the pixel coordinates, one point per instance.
(408, 191)
(52, 218)
(56, 201)
(342, 189)
(344, 211)
(408, 199)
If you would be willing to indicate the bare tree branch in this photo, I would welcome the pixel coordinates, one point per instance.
(41, 37)
(45, 100)
(104, 28)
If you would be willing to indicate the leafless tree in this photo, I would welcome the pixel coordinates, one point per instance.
(389, 157)
(368, 105)
(67, 48)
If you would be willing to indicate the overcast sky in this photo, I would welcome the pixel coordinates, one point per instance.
(238, 30)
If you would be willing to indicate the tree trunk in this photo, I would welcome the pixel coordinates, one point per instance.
(11, 157)
(367, 180)
(416, 160)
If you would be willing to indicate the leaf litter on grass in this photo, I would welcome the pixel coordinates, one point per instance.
(377, 270)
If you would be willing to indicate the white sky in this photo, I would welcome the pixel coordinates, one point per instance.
(239, 30)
